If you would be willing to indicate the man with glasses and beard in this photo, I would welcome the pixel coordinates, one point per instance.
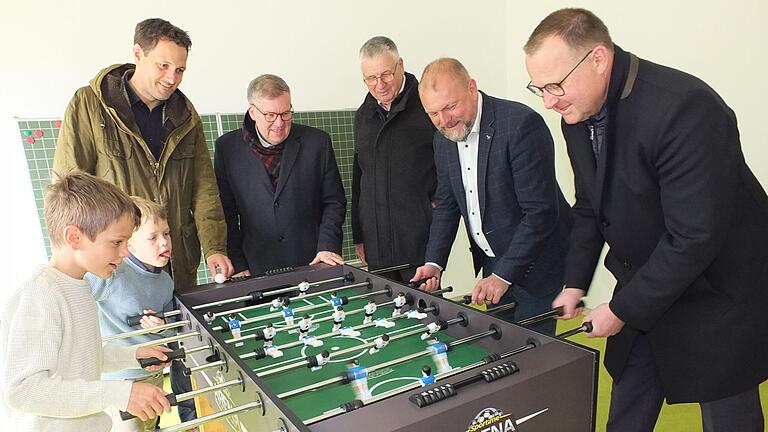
(496, 169)
(661, 178)
(283, 200)
(393, 179)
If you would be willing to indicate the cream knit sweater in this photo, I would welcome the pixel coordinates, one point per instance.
(52, 357)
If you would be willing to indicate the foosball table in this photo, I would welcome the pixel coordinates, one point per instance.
(336, 348)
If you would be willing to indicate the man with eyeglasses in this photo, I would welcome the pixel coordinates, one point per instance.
(393, 179)
(661, 178)
(283, 200)
(496, 170)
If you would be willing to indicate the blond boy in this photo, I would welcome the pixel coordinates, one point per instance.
(50, 343)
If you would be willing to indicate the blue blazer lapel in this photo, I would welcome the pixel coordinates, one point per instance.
(454, 171)
(484, 140)
(288, 159)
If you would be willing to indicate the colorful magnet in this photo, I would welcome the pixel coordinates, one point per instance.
(38, 133)
(27, 133)
(30, 139)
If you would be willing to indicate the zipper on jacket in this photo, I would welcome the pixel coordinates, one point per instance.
(157, 167)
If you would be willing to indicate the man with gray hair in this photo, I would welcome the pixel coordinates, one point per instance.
(283, 200)
(393, 179)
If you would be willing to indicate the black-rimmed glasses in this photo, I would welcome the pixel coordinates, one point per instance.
(555, 89)
(271, 116)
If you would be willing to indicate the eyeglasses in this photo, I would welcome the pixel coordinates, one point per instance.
(555, 89)
(386, 77)
(270, 117)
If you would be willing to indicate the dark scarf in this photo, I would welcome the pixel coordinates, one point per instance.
(270, 156)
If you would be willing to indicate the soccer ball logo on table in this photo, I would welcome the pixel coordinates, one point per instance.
(491, 416)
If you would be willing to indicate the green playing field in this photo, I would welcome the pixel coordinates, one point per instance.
(312, 403)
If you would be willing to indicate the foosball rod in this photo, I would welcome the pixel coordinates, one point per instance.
(175, 399)
(344, 299)
(257, 295)
(201, 420)
(301, 361)
(260, 336)
(555, 312)
(317, 294)
(353, 405)
(136, 319)
(164, 341)
(397, 361)
(139, 332)
(390, 269)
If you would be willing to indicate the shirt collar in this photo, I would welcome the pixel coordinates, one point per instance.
(143, 266)
(476, 125)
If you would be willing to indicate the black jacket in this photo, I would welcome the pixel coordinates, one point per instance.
(685, 220)
(393, 179)
(286, 226)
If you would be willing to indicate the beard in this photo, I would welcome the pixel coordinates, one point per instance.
(460, 135)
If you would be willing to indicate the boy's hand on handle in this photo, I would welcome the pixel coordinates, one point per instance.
(147, 401)
(149, 321)
(156, 352)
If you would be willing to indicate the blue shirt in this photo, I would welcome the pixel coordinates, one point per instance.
(439, 348)
(336, 301)
(130, 290)
(427, 380)
(234, 324)
(288, 312)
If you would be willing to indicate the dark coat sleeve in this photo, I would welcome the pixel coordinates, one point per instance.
(697, 170)
(229, 204)
(445, 217)
(334, 205)
(531, 161)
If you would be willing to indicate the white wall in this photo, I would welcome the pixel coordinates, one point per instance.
(50, 49)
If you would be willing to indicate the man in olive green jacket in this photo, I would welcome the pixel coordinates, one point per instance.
(134, 128)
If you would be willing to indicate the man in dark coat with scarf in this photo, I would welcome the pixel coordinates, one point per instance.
(661, 178)
(394, 177)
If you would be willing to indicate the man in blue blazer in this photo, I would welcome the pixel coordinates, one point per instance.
(283, 200)
(495, 168)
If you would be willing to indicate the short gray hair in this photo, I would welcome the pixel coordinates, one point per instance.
(378, 45)
(266, 86)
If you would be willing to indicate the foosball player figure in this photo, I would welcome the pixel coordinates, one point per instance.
(317, 362)
(270, 349)
(369, 310)
(303, 288)
(234, 326)
(426, 376)
(287, 312)
(209, 317)
(379, 343)
(399, 301)
(276, 304)
(336, 301)
(440, 355)
(432, 328)
(338, 318)
(358, 376)
(305, 324)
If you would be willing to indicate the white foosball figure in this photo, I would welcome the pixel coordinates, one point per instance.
(426, 376)
(369, 310)
(276, 304)
(399, 302)
(349, 331)
(269, 333)
(303, 288)
(305, 325)
(379, 343)
(272, 351)
(383, 322)
(358, 376)
(209, 317)
(234, 326)
(432, 328)
(312, 341)
(317, 362)
(440, 355)
(415, 314)
(338, 318)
